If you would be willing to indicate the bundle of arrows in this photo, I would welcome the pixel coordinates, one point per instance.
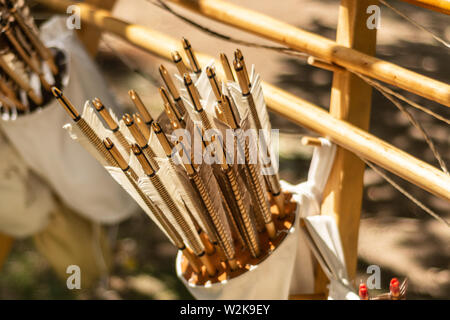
(28, 69)
(204, 172)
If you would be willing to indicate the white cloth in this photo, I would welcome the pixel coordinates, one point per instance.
(309, 195)
(325, 242)
(25, 201)
(340, 291)
(269, 280)
(78, 179)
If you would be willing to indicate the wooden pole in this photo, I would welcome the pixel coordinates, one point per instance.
(358, 141)
(90, 35)
(442, 6)
(320, 47)
(311, 141)
(289, 106)
(350, 101)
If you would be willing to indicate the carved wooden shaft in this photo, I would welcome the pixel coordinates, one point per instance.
(95, 140)
(258, 190)
(249, 227)
(225, 240)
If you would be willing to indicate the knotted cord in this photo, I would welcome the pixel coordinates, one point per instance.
(285, 50)
(375, 83)
(405, 193)
(384, 91)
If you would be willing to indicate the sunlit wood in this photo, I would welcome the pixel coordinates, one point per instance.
(350, 101)
(320, 47)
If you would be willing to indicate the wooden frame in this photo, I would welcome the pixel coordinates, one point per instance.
(347, 122)
(351, 101)
(321, 47)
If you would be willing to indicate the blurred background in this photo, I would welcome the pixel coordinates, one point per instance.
(394, 233)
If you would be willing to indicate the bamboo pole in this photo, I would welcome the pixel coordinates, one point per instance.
(289, 106)
(350, 101)
(358, 141)
(320, 47)
(442, 6)
(324, 65)
(311, 141)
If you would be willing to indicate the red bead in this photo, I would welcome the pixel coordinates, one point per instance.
(394, 287)
(363, 292)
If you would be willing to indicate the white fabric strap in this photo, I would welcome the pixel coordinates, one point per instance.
(309, 194)
(324, 241)
(319, 170)
(321, 237)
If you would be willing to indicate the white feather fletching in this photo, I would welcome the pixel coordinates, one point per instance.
(236, 94)
(153, 143)
(211, 185)
(202, 82)
(177, 178)
(92, 119)
(258, 97)
(189, 196)
(261, 108)
(165, 173)
(122, 127)
(126, 132)
(136, 166)
(260, 103)
(203, 86)
(121, 179)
